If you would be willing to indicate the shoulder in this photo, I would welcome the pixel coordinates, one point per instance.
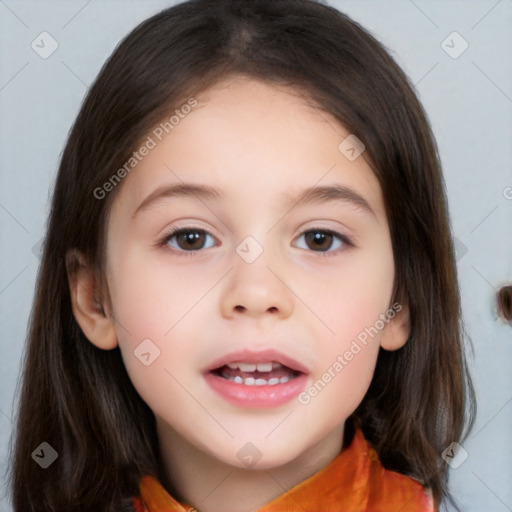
(390, 490)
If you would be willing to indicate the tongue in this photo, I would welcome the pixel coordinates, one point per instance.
(278, 373)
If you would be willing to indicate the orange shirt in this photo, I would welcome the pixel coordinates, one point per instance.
(355, 481)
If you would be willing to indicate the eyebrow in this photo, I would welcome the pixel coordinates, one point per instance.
(332, 193)
(312, 195)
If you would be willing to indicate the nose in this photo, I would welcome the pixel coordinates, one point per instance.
(257, 289)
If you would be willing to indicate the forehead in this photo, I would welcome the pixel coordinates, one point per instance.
(252, 138)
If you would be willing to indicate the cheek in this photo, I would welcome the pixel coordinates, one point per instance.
(350, 301)
(155, 305)
(348, 297)
(339, 386)
(355, 365)
(152, 295)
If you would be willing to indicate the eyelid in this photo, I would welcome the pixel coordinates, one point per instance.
(164, 239)
(346, 240)
(327, 229)
(187, 224)
(339, 229)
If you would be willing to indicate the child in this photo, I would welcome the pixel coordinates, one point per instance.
(248, 297)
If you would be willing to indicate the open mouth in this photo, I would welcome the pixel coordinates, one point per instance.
(257, 379)
(257, 374)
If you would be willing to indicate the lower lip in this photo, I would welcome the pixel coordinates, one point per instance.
(262, 397)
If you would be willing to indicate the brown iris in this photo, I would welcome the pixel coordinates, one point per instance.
(190, 240)
(318, 240)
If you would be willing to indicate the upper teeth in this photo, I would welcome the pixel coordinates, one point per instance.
(252, 367)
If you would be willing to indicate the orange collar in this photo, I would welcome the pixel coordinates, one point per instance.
(355, 481)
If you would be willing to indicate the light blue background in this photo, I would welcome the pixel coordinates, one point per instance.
(469, 101)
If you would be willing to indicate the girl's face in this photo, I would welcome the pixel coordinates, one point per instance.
(282, 259)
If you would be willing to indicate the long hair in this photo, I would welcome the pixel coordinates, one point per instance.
(79, 399)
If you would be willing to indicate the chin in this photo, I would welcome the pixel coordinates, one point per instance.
(262, 462)
(246, 452)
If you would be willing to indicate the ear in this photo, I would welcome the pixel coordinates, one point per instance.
(95, 323)
(397, 330)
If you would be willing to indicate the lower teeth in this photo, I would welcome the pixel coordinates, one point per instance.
(250, 381)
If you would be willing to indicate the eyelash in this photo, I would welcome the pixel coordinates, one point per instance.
(346, 241)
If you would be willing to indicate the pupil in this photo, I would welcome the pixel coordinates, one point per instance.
(319, 240)
(191, 240)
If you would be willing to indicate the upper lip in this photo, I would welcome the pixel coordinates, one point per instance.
(257, 356)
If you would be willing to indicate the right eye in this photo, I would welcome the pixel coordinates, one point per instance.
(189, 239)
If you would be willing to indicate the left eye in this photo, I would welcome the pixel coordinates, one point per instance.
(190, 239)
(321, 240)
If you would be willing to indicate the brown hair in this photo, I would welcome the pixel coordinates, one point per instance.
(80, 400)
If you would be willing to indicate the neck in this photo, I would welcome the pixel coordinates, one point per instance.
(209, 485)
